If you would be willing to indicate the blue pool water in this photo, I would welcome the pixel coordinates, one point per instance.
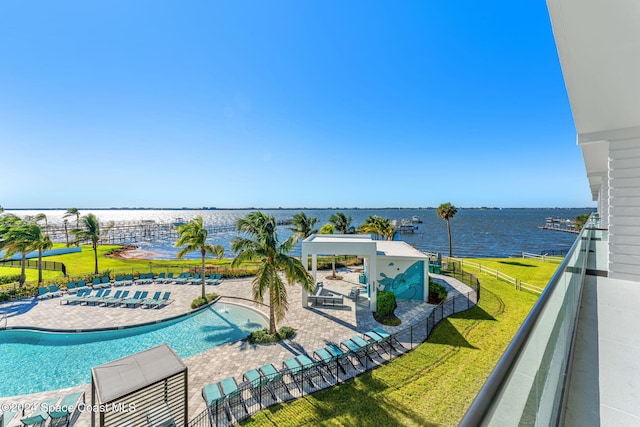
(33, 361)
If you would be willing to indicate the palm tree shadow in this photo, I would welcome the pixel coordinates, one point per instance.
(447, 334)
(474, 313)
(518, 263)
(18, 307)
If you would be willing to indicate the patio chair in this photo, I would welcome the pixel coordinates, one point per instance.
(135, 301)
(161, 302)
(68, 406)
(119, 280)
(196, 278)
(43, 292)
(40, 416)
(215, 402)
(116, 299)
(7, 416)
(71, 288)
(54, 291)
(128, 280)
(233, 397)
(212, 280)
(91, 298)
(259, 382)
(160, 278)
(149, 302)
(75, 298)
(96, 283)
(81, 284)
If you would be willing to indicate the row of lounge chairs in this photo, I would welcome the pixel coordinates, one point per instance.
(300, 375)
(119, 298)
(60, 411)
(128, 280)
(48, 292)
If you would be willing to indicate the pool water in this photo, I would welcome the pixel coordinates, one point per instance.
(32, 361)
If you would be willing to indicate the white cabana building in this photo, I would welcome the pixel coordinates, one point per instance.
(388, 265)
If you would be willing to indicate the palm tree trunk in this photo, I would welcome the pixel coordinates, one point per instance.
(202, 274)
(333, 266)
(449, 231)
(66, 233)
(272, 313)
(23, 265)
(39, 266)
(95, 254)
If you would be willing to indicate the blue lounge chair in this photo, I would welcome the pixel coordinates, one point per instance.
(119, 280)
(233, 397)
(81, 284)
(43, 292)
(98, 298)
(7, 416)
(112, 299)
(215, 402)
(116, 299)
(169, 278)
(161, 302)
(54, 291)
(92, 298)
(161, 278)
(135, 301)
(149, 302)
(196, 279)
(71, 288)
(96, 283)
(77, 297)
(212, 280)
(40, 416)
(106, 283)
(68, 406)
(128, 280)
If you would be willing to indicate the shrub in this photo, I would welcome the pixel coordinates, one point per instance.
(9, 279)
(263, 336)
(199, 302)
(437, 292)
(386, 303)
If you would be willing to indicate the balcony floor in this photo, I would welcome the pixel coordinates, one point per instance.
(605, 379)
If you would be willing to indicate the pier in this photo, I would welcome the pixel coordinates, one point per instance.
(556, 224)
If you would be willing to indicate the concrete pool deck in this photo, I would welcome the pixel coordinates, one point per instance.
(315, 327)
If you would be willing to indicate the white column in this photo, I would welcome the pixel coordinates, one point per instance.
(373, 284)
(305, 261)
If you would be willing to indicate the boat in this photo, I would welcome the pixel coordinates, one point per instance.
(179, 221)
(416, 219)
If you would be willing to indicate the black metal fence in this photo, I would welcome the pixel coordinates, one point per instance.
(285, 384)
(30, 263)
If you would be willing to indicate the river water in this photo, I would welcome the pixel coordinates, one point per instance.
(475, 232)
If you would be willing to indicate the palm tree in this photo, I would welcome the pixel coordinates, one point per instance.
(446, 211)
(330, 229)
(379, 227)
(42, 243)
(262, 244)
(303, 226)
(73, 212)
(193, 236)
(91, 231)
(66, 230)
(41, 217)
(19, 237)
(341, 222)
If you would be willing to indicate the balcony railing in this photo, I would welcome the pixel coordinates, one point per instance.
(527, 385)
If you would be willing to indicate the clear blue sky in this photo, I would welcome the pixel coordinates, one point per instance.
(284, 103)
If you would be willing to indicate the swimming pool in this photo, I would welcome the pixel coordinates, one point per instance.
(34, 361)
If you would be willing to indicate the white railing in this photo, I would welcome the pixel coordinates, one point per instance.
(515, 282)
(544, 258)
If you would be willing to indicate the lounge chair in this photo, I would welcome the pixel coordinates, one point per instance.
(354, 294)
(135, 301)
(7, 416)
(128, 280)
(169, 278)
(81, 284)
(98, 298)
(233, 396)
(116, 299)
(68, 406)
(119, 280)
(212, 280)
(135, 296)
(91, 298)
(43, 292)
(298, 373)
(54, 291)
(160, 278)
(40, 416)
(96, 283)
(196, 279)
(144, 279)
(160, 416)
(77, 297)
(106, 282)
(215, 402)
(149, 302)
(71, 288)
(329, 359)
(160, 302)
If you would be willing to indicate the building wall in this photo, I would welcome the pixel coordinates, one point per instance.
(624, 209)
(404, 277)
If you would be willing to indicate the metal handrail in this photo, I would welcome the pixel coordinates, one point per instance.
(486, 397)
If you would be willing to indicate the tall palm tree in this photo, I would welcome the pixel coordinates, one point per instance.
(303, 226)
(193, 236)
(330, 229)
(42, 243)
(261, 243)
(41, 217)
(341, 222)
(73, 212)
(20, 237)
(66, 230)
(446, 211)
(91, 231)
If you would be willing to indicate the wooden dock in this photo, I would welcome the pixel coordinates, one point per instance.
(563, 229)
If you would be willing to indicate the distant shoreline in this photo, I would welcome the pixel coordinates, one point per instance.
(593, 208)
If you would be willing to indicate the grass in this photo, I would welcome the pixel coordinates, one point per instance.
(432, 385)
(530, 270)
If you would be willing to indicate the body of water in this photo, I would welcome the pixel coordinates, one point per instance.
(476, 232)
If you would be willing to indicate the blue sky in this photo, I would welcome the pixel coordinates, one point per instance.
(284, 103)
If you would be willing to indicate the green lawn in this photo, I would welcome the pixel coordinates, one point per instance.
(529, 270)
(431, 385)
